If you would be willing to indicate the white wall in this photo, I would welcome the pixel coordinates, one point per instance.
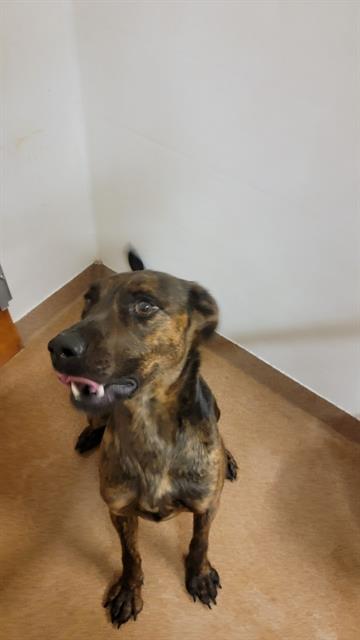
(224, 145)
(47, 229)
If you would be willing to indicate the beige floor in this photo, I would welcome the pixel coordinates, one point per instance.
(286, 541)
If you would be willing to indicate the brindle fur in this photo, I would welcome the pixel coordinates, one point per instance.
(161, 450)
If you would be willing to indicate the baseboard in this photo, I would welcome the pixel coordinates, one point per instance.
(280, 383)
(293, 391)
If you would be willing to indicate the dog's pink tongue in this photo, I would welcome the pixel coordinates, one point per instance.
(69, 379)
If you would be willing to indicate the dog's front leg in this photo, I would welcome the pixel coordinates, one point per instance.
(202, 580)
(124, 599)
(91, 436)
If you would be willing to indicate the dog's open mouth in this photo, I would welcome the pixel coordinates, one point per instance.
(82, 386)
(89, 393)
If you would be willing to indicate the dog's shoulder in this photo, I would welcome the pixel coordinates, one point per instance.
(200, 406)
(205, 406)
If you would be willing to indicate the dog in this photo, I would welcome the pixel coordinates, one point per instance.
(133, 366)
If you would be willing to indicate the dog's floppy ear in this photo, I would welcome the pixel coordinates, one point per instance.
(203, 310)
(135, 262)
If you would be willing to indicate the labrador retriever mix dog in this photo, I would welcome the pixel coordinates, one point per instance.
(132, 364)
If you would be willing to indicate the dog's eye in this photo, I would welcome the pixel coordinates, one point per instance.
(91, 297)
(144, 309)
(92, 294)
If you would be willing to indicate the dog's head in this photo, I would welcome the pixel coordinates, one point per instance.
(136, 328)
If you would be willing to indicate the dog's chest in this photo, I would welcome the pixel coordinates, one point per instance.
(154, 470)
(156, 494)
(157, 476)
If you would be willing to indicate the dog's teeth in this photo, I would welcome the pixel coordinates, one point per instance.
(75, 390)
(100, 391)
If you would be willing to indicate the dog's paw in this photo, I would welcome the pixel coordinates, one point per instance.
(231, 466)
(123, 602)
(203, 586)
(89, 438)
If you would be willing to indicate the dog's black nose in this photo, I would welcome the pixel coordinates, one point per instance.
(69, 344)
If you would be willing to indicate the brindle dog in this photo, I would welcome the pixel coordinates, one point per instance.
(132, 363)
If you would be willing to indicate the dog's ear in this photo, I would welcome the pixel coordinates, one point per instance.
(203, 310)
(135, 262)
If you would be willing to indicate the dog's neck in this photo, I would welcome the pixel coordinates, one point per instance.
(164, 402)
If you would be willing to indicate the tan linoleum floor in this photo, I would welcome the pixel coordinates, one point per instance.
(286, 540)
